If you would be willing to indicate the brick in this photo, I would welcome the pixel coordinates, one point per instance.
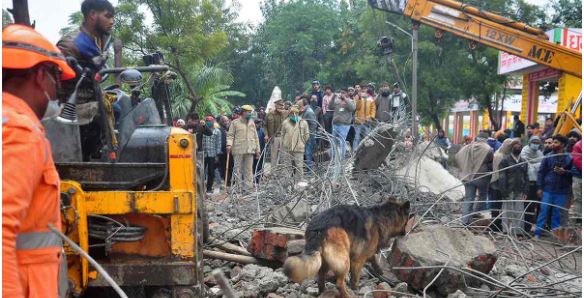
(272, 243)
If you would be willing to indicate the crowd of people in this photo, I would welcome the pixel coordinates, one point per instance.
(232, 146)
(528, 182)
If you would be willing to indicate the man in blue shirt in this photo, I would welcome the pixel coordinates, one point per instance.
(554, 182)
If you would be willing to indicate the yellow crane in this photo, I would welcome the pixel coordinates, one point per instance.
(495, 31)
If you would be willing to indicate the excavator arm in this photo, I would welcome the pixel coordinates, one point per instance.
(489, 29)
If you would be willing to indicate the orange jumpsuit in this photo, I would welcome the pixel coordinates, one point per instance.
(31, 253)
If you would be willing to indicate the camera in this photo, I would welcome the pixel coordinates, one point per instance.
(386, 44)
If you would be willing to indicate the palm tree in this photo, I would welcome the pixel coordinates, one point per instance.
(212, 85)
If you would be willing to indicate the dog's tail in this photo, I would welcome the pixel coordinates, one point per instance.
(299, 268)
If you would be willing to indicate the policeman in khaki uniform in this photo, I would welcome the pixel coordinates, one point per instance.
(31, 254)
(243, 143)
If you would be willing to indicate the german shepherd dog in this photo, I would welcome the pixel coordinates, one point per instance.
(343, 239)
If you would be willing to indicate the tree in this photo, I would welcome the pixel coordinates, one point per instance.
(187, 32)
(567, 13)
(74, 22)
(212, 85)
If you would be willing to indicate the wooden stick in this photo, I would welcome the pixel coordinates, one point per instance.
(224, 284)
(227, 171)
(227, 246)
(230, 257)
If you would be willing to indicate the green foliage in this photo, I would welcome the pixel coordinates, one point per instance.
(568, 13)
(6, 18)
(74, 22)
(212, 85)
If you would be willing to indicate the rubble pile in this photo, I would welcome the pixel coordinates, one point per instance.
(253, 233)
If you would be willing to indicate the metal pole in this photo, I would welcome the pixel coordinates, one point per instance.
(415, 26)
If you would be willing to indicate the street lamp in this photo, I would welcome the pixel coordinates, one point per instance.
(414, 38)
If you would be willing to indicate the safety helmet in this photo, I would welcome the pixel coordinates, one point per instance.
(247, 108)
(24, 48)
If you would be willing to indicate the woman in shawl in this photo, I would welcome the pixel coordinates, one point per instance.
(495, 191)
(513, 183)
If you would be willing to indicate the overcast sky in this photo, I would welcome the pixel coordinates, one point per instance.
(52, 15)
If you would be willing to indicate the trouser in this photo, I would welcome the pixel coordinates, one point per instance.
(295, 161)
(309, 151)
(243, 171)
(340, 136)
(531, 208)
(361, 130)
(547, 200)
(275, 150)
(328, 121)
(495, 195)
(512, 209)
(576, 208)
(223, 167)
(210, 166)
(470, 191)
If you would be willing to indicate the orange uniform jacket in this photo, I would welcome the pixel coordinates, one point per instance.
(30, 201)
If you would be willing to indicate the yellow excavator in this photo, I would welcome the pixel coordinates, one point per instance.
(131, 192)
(495, 31)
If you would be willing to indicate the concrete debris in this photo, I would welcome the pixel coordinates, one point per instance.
(429, 175)
(382, 167)
(437, 246)
(457, 294)
(375, 148)
(292, 213)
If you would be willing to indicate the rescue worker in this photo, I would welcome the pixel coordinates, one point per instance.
(243, 142)
(295, 135)
(399, 104)
(273, 131)
(31, 254)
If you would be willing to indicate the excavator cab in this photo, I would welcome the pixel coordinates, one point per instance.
(133, 199)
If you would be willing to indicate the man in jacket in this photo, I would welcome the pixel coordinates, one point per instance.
(243, 142)
(211, 151)
(533, 154)
(224, 124)
(343, 107)
(554, 182)
(329, 96)
(90, 46)
(273, 131)
(317, 92)
(399, 104)
(513, 186)
(442, 140)
(474, 161)
(518, 127)
(364, 115)
(310, 117)
(383, 104)
(32, 69)
(295, 134)
(548, 129)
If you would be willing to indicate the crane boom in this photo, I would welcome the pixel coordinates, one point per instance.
(489, 29)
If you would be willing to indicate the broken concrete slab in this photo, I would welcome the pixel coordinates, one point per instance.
(426, 174)
(272, 243)
(375, 147)
(435, 246)
(292, 213)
